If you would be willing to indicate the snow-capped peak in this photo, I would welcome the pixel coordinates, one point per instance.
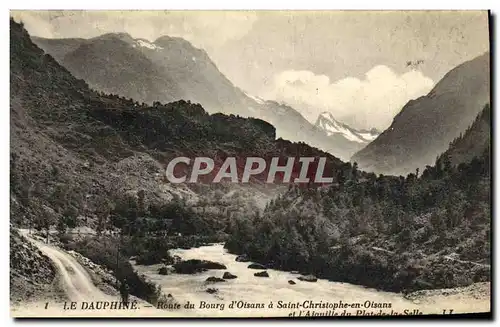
(331, 126)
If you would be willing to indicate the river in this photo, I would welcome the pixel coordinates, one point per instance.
(250, 291)
(245, 293)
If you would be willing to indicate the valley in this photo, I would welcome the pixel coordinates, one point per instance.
(401, 216)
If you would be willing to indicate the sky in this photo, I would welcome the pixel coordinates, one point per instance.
(362, 66)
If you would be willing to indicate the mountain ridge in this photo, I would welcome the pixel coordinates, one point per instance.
(178, 70)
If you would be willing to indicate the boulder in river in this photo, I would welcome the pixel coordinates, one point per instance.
(170, 260)
(176, 259)
(213, 279)
(257, 266)
(242, 258)
(261, 274)
(228, 275)
(291, 282)
(308, 278)
(194, 266)
(165, 270)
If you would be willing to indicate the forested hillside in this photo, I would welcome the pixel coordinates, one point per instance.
(430, 229)
(473, 142)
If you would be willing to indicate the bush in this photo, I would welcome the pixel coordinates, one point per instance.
(154, 257)
(66, 238)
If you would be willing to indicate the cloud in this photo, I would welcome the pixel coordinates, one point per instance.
(361, 103)
(205, 29)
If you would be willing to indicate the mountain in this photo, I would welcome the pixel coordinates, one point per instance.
(171, 69)
(333, 127)
(291, 125)
(128, 72)
(73, 149)
(168, 69)
(425, 127)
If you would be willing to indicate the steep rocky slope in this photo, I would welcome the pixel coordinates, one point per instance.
(31, 272)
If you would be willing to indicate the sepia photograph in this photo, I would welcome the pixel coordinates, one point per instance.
(250, 163)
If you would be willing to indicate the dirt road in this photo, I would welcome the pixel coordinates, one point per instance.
(78, 286)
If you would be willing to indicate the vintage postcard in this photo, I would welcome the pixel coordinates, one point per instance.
(249, 164)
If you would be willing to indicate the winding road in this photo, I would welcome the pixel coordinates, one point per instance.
(75, 280)
(78, 287)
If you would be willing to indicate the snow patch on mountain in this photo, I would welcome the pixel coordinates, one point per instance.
(369, 136)
(331, 126)
(145, 44)
(256, 99)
